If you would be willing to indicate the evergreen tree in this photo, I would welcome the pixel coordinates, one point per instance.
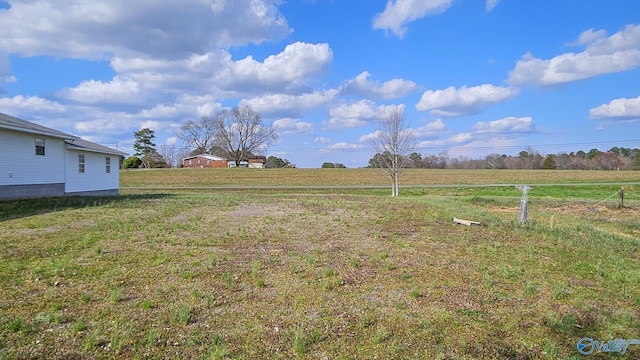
(549, 163)
(144, 146)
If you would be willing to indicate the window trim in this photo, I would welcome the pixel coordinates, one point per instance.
(81, 163)
(40, 146)
(107, 164)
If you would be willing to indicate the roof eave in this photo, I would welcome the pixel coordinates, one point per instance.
(115, 152)
(37, 132)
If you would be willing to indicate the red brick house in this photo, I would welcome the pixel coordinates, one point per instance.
(204, 161)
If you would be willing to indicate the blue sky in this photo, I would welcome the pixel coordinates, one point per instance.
(474, 76)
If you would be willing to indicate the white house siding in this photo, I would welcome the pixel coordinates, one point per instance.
(94, 180)
(25, 174)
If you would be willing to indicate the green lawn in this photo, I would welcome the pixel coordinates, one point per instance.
(318, 274)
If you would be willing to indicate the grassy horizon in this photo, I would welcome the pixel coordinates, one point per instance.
(364, 176)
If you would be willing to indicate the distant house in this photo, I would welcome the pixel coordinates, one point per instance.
(241, 163)
(258, 162)
(36, 161)
(255, 162)
(204, 161)
(212, 161)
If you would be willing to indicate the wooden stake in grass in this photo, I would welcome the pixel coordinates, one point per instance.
(621, 201)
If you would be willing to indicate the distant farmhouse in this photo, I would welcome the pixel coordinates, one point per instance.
(212, 161)
(205, 161)
(37, 161)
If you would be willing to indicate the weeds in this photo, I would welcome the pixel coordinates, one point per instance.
(415, 294)
(299, 344)
(381, 335)
(231, 281)
(115, 294)
(86, 298)
(393, 273)
(181, 314)
(17, 325)
(366, 320)
(79, 326)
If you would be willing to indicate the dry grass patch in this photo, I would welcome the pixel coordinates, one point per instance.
(310, 276)
(358, 177)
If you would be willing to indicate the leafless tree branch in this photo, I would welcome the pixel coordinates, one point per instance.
(394, 141)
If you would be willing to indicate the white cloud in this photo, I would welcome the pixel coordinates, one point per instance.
(342, 146)
(522, 125)
(293, 126)
(93, 29)
(114, 123)
(460, 138)
(590, 36)
(289, 69)
(191, 105)
(158, 73)
(391, 89)
(160, 111)
(6, 79)
(172, 140)
(471, 149)
(356, 115)
(5, 70)
(603, 55)
(160, 118)
(20, 104)
(430, 129)
(192, 74)
(617, 109)
(452, 102)
(216, 72)
(153, 56)
(491, 4)
(400, 12)
(289, 105)
(370, 137)
(322, 140)
(121, 90)
(430, 144)
(150, 124)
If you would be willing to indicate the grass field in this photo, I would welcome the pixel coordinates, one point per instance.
(321, 273)
(361, 177)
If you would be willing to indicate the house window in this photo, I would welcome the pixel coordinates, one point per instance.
(81, 163)
(39, 146)
(207, 162)
(107, 163)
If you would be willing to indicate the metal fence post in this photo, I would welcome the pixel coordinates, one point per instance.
(522, 218)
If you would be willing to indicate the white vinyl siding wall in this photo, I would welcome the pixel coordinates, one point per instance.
(19, 164)
(94, 178)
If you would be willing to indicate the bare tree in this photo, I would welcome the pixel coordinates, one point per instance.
(394, 142)
(199, 134)
(168, 152)
(183, 152)
(240, 133)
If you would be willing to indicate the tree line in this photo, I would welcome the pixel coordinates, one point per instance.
(616, 158)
